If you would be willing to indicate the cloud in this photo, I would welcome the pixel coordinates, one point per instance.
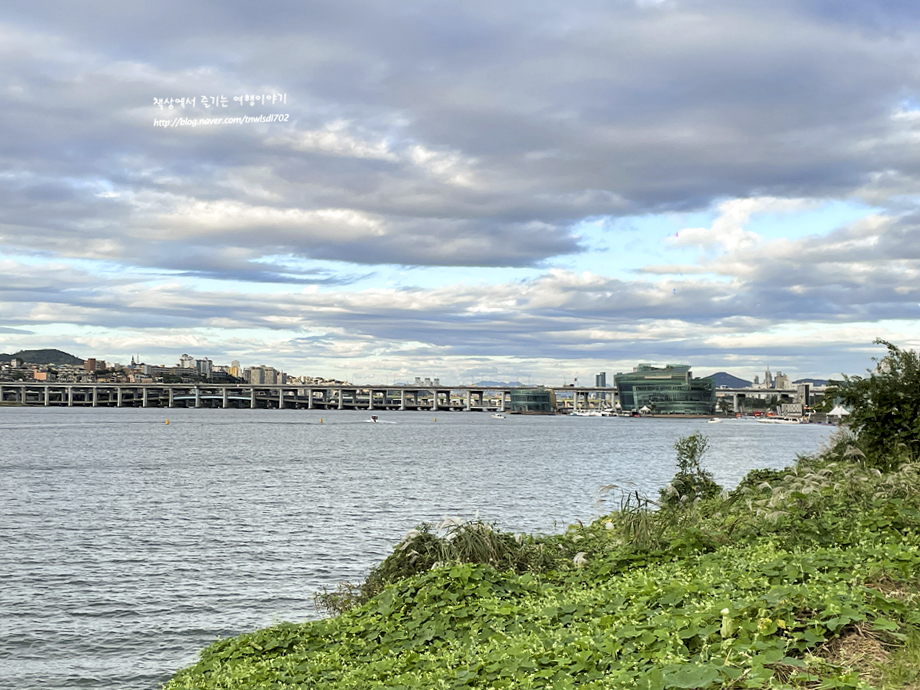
(727, 231)
(335, 140)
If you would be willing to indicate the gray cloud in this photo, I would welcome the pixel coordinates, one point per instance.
(547, 115)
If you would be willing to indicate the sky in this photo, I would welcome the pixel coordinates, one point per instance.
(534, 191)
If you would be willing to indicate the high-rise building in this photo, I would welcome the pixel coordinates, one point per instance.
(187, 362)
(600, 381)
(262, 375)
(205, 367)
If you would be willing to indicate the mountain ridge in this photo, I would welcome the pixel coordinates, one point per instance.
(43, 356)
(723, 378)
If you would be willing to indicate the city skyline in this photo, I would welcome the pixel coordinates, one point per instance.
(204, 366)
(477, 192)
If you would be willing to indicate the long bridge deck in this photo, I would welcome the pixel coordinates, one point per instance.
(337, 397)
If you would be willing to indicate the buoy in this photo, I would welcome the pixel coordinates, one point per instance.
(167, 421)
(435, 419)
(320, 420)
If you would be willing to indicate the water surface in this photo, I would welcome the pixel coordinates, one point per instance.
(128, 544)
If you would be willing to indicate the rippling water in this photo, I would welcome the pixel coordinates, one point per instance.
(127, 544)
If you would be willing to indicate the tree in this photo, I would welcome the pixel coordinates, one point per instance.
(885, 407)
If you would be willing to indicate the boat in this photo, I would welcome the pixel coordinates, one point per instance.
(594, 413)
(781, 420)
(498, 415)
(714, 420)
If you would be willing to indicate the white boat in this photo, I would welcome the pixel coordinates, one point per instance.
(498, 415)
(780, 420)
(714, 420)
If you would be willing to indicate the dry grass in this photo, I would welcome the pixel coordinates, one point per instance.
(861, 650)
(891, 588)
(880, 663)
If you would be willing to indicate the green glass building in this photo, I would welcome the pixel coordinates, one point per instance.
(532, 401)
(666, 390)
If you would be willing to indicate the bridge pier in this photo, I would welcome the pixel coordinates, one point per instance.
(225, 399)
(69, 396)
(47, 396)
(120, 400)
(309, 398)
(252, 398)
(145, 397)
(172, 402)
(738, 402)
(402, 399)
(341, 399)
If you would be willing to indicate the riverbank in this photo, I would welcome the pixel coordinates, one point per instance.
(798, 578)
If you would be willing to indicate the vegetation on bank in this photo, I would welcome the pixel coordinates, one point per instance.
(885, 407)
(807, 577)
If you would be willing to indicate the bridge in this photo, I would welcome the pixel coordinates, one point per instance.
(739, 394)
(284, 396)
(333, 397)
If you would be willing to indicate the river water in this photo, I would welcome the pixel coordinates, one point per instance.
(127, 544)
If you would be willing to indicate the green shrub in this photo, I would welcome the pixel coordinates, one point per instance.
(885, 407)
(453, 541)
(692, 483)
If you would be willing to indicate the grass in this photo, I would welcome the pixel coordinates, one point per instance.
(802, 578)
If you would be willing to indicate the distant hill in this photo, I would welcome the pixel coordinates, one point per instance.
(723, 378)
(813, 382)
(486, 384)
(43, 357)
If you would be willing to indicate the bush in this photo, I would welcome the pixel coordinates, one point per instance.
(691, 483)
(885, 408)
(453, 541)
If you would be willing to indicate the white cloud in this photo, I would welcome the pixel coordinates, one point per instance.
(727, 230)
(192, 218)
(334, 139)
